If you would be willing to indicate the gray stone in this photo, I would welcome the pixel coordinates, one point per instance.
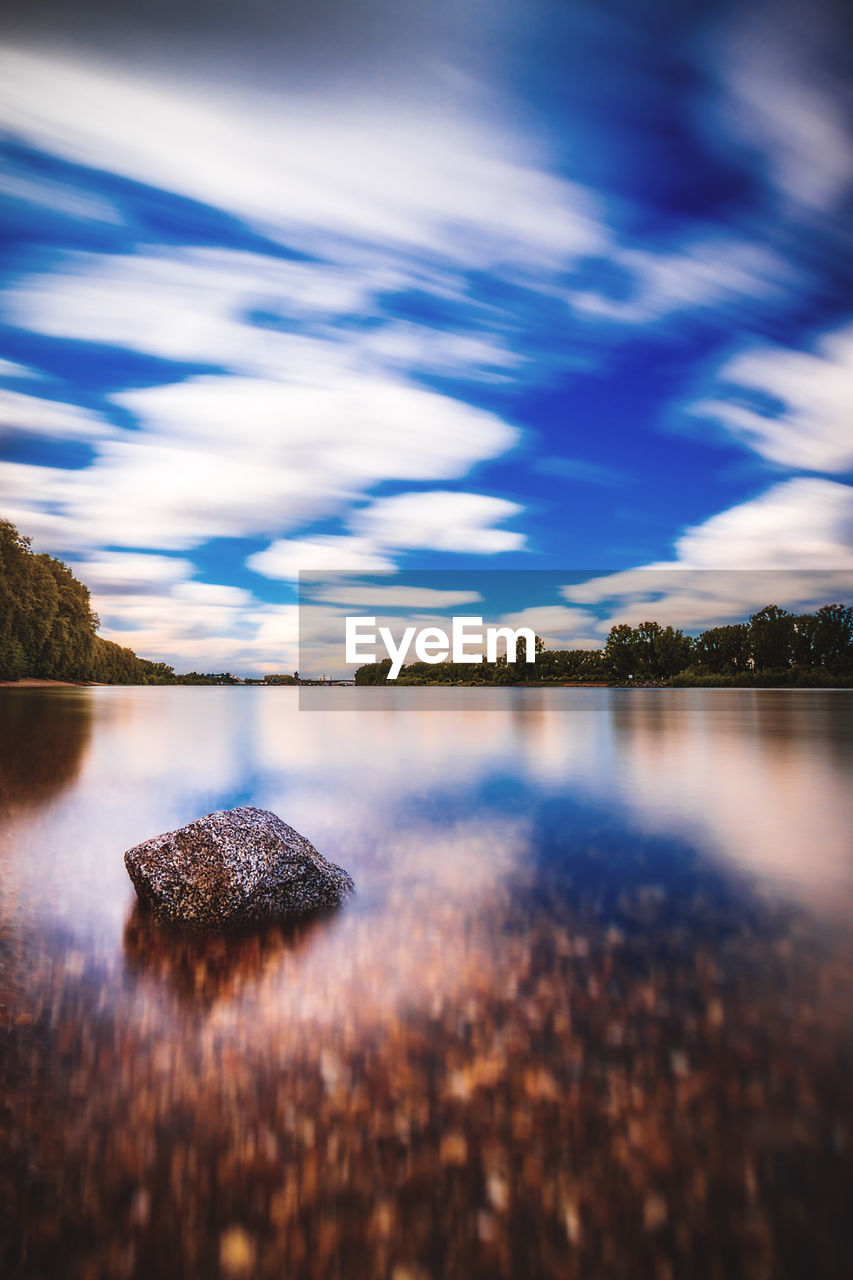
(232, 868)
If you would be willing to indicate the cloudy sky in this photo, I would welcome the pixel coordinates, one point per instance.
(380, 286)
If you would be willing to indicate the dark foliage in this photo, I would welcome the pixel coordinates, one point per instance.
(773, 648)
(47, 628)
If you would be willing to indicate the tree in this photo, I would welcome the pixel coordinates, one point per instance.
(832, 640)
(47, 627)
(374, 672)
(572, 665)
(723, 650)
(619, 652)
(644, 641)
(649, 651)
(671, 653)
(771, 633)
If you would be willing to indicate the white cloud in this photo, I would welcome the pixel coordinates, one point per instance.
(59, 197)
(129, 570)
(560, 627)
(198, 625)
(340, 434)
(239, 457)
(803, 523)
(411, 346)
(287, 558)
(299, 428)
(372, 596)
(783, 98)
(791, 546)
(21, 412)
(709, 273)
(434, 520)
(192, 304)
(9, 369)
(812, 430)
(440, 521)
(302, 426)
(294, 170)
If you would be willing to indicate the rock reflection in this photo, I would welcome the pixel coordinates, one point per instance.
(423, 934)
(43, 739)
(200, 970)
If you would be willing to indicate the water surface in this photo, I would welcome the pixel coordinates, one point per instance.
(588, 1014)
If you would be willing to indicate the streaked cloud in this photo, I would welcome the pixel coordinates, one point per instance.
(440, 520)
(803, 523)
(10, 369)
(785, 95)
(803, 416)
(128, 571)
(376, 596)
(435, 520)
(58, 197)
(239, 457)
(792, 546)
(306, 168)
(559, 626)
(21, 412)
(198, 625)
(193, 304)
(310, 288)
(287, 558)
(703, 275)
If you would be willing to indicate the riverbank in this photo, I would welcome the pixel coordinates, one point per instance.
(31, 683)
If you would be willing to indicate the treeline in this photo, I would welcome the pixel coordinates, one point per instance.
(772, 647)
(559, 666)
(206, 677)
(48, 631)
(47, 628)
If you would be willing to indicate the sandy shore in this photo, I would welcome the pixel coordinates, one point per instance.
(29, 683)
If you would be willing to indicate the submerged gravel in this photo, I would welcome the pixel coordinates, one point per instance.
(622, 1080)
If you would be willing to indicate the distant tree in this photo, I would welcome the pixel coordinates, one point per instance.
(66, 653)
(644, 641)
(47, 627)
(832, 638)
(373, 672)
(722, 650)
(572, 665)
(671, 653)
(771, 634)
(619, 653)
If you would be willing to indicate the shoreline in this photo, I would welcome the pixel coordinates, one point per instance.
(30, 682)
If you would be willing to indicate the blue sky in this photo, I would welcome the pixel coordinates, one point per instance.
(531, 286)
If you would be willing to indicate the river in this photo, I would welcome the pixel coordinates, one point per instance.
(589, 1013)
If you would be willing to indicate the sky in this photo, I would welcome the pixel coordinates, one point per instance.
(379, 287)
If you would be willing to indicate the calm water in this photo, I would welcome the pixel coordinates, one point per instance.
(589, 1013)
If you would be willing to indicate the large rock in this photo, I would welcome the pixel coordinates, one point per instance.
(235, 867)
